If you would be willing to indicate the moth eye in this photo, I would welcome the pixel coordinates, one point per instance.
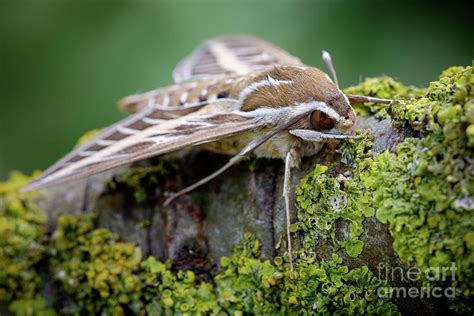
(320, 121)
(223, 95)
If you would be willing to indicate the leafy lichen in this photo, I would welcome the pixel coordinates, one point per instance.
(326, 200)
(425, 190)
(94, 272)
(21, 248)
(93, 269)
(36, 306)
(99, 274)
(322, 287)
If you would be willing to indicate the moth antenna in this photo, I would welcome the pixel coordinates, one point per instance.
(328, 60)
(353, 98)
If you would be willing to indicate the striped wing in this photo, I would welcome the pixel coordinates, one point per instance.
(144, 135)
(181, 98)
(231, 55)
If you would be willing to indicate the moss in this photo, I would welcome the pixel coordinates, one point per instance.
(381, 87)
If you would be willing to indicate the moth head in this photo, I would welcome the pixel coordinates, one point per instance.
(344, 117)
(334, 113)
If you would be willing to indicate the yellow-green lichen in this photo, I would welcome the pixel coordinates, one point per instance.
(175, 293)
(21, 248)
(425, 190)
(93, 272)
(325, 200)
(92, 268)
(36, 306)
(320, 287)
(99, 274)
(446, 108)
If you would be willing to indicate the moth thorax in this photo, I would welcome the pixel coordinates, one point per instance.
(287, 86)
(267, 92)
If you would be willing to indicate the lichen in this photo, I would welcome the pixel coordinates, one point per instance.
(93, 269)
(425, 190)
(99, 274)
(327, 197)
(93, 272)
(21, 248)
(36, 306)
(323, 287)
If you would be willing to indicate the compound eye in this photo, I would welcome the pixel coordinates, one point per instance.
(320, 121)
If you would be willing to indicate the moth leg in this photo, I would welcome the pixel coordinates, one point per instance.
(289, 163)
(231, 162)
(247, 149)
(315, 136)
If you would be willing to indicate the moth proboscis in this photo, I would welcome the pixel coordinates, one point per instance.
(235, 95)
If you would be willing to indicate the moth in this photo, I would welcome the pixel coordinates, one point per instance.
(236, 95)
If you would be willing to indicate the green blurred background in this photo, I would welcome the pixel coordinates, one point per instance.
(64, 64)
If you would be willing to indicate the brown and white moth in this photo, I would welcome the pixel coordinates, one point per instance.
(235, 95)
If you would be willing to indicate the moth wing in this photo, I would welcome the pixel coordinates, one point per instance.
(231, 55)
(179, 99)
(137, 138)
(169, 99)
